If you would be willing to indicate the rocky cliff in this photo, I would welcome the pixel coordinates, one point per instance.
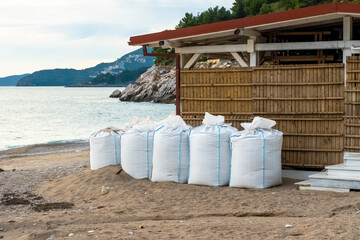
(157, 84)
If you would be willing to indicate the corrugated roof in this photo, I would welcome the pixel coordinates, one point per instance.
(248, 22)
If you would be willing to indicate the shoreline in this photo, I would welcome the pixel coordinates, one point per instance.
(45, 148)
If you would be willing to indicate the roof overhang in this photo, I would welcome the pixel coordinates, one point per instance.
(250, 26)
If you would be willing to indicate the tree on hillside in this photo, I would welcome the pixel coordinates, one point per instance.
(159, 61)
(211, 15)
(238, 9)
(188, 21)
(244, 8)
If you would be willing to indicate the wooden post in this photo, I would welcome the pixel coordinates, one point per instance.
(177, 63)
(347, 36)
(254, 55)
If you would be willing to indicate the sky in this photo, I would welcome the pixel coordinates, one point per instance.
(48, 34)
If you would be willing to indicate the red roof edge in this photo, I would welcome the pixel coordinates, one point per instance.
(247, 22)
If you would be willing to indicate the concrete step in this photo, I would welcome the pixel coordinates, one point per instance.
(323, 189)
(352, 159)
(343, 170)
(352, 155)
(303, 183)
(352, 162)
(332, 181)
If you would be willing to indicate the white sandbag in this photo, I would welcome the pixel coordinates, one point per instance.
(105, 148)
(210, 152)
(137, 144)
(171, 151)
(259, 123)
(256, 158)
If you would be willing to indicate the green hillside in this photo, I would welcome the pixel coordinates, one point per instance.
(68, 77)
(11, 80)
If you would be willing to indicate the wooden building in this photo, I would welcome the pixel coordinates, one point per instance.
(299, 67)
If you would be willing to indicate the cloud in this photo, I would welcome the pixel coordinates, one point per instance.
(41, 34)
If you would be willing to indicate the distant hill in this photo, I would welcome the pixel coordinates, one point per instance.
(72, 77)
(121, 79)
(11, 80)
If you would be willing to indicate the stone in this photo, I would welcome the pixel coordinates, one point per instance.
(116, 94)
(157, 84)
(104, 190)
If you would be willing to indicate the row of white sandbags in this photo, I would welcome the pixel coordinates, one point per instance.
(255, 161)
(170, 141)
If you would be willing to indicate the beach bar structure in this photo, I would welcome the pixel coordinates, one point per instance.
(299, 67)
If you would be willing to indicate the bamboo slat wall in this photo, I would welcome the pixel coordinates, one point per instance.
(306, 101)
(352, 105)
(226, 92)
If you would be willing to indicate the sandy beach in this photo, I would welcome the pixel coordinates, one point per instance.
(48, 191)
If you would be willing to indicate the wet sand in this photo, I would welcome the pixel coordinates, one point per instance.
(56, 194)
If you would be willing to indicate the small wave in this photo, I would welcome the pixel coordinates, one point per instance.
(67, 141)
(80, 140)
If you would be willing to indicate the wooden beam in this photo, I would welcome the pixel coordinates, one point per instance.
(305, 45)
(269, 47)
(192, 61)
(239, 59)
(212, 49)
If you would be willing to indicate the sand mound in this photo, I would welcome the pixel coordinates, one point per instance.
(144, 198)
(101, 204)
(149, 209)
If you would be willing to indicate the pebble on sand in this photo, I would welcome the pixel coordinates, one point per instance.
(104, 190)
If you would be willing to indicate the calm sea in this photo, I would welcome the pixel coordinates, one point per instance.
(36, 115)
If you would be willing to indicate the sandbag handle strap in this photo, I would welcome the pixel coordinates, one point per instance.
(147, 150)
(179, 157)
(263, 157)
(147, 154)
(115, 143)
(218, 157)
(189, 151)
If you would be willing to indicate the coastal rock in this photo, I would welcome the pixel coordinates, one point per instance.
(158, 83)
(116, 94)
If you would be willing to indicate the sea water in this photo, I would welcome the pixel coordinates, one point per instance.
(37, 115)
